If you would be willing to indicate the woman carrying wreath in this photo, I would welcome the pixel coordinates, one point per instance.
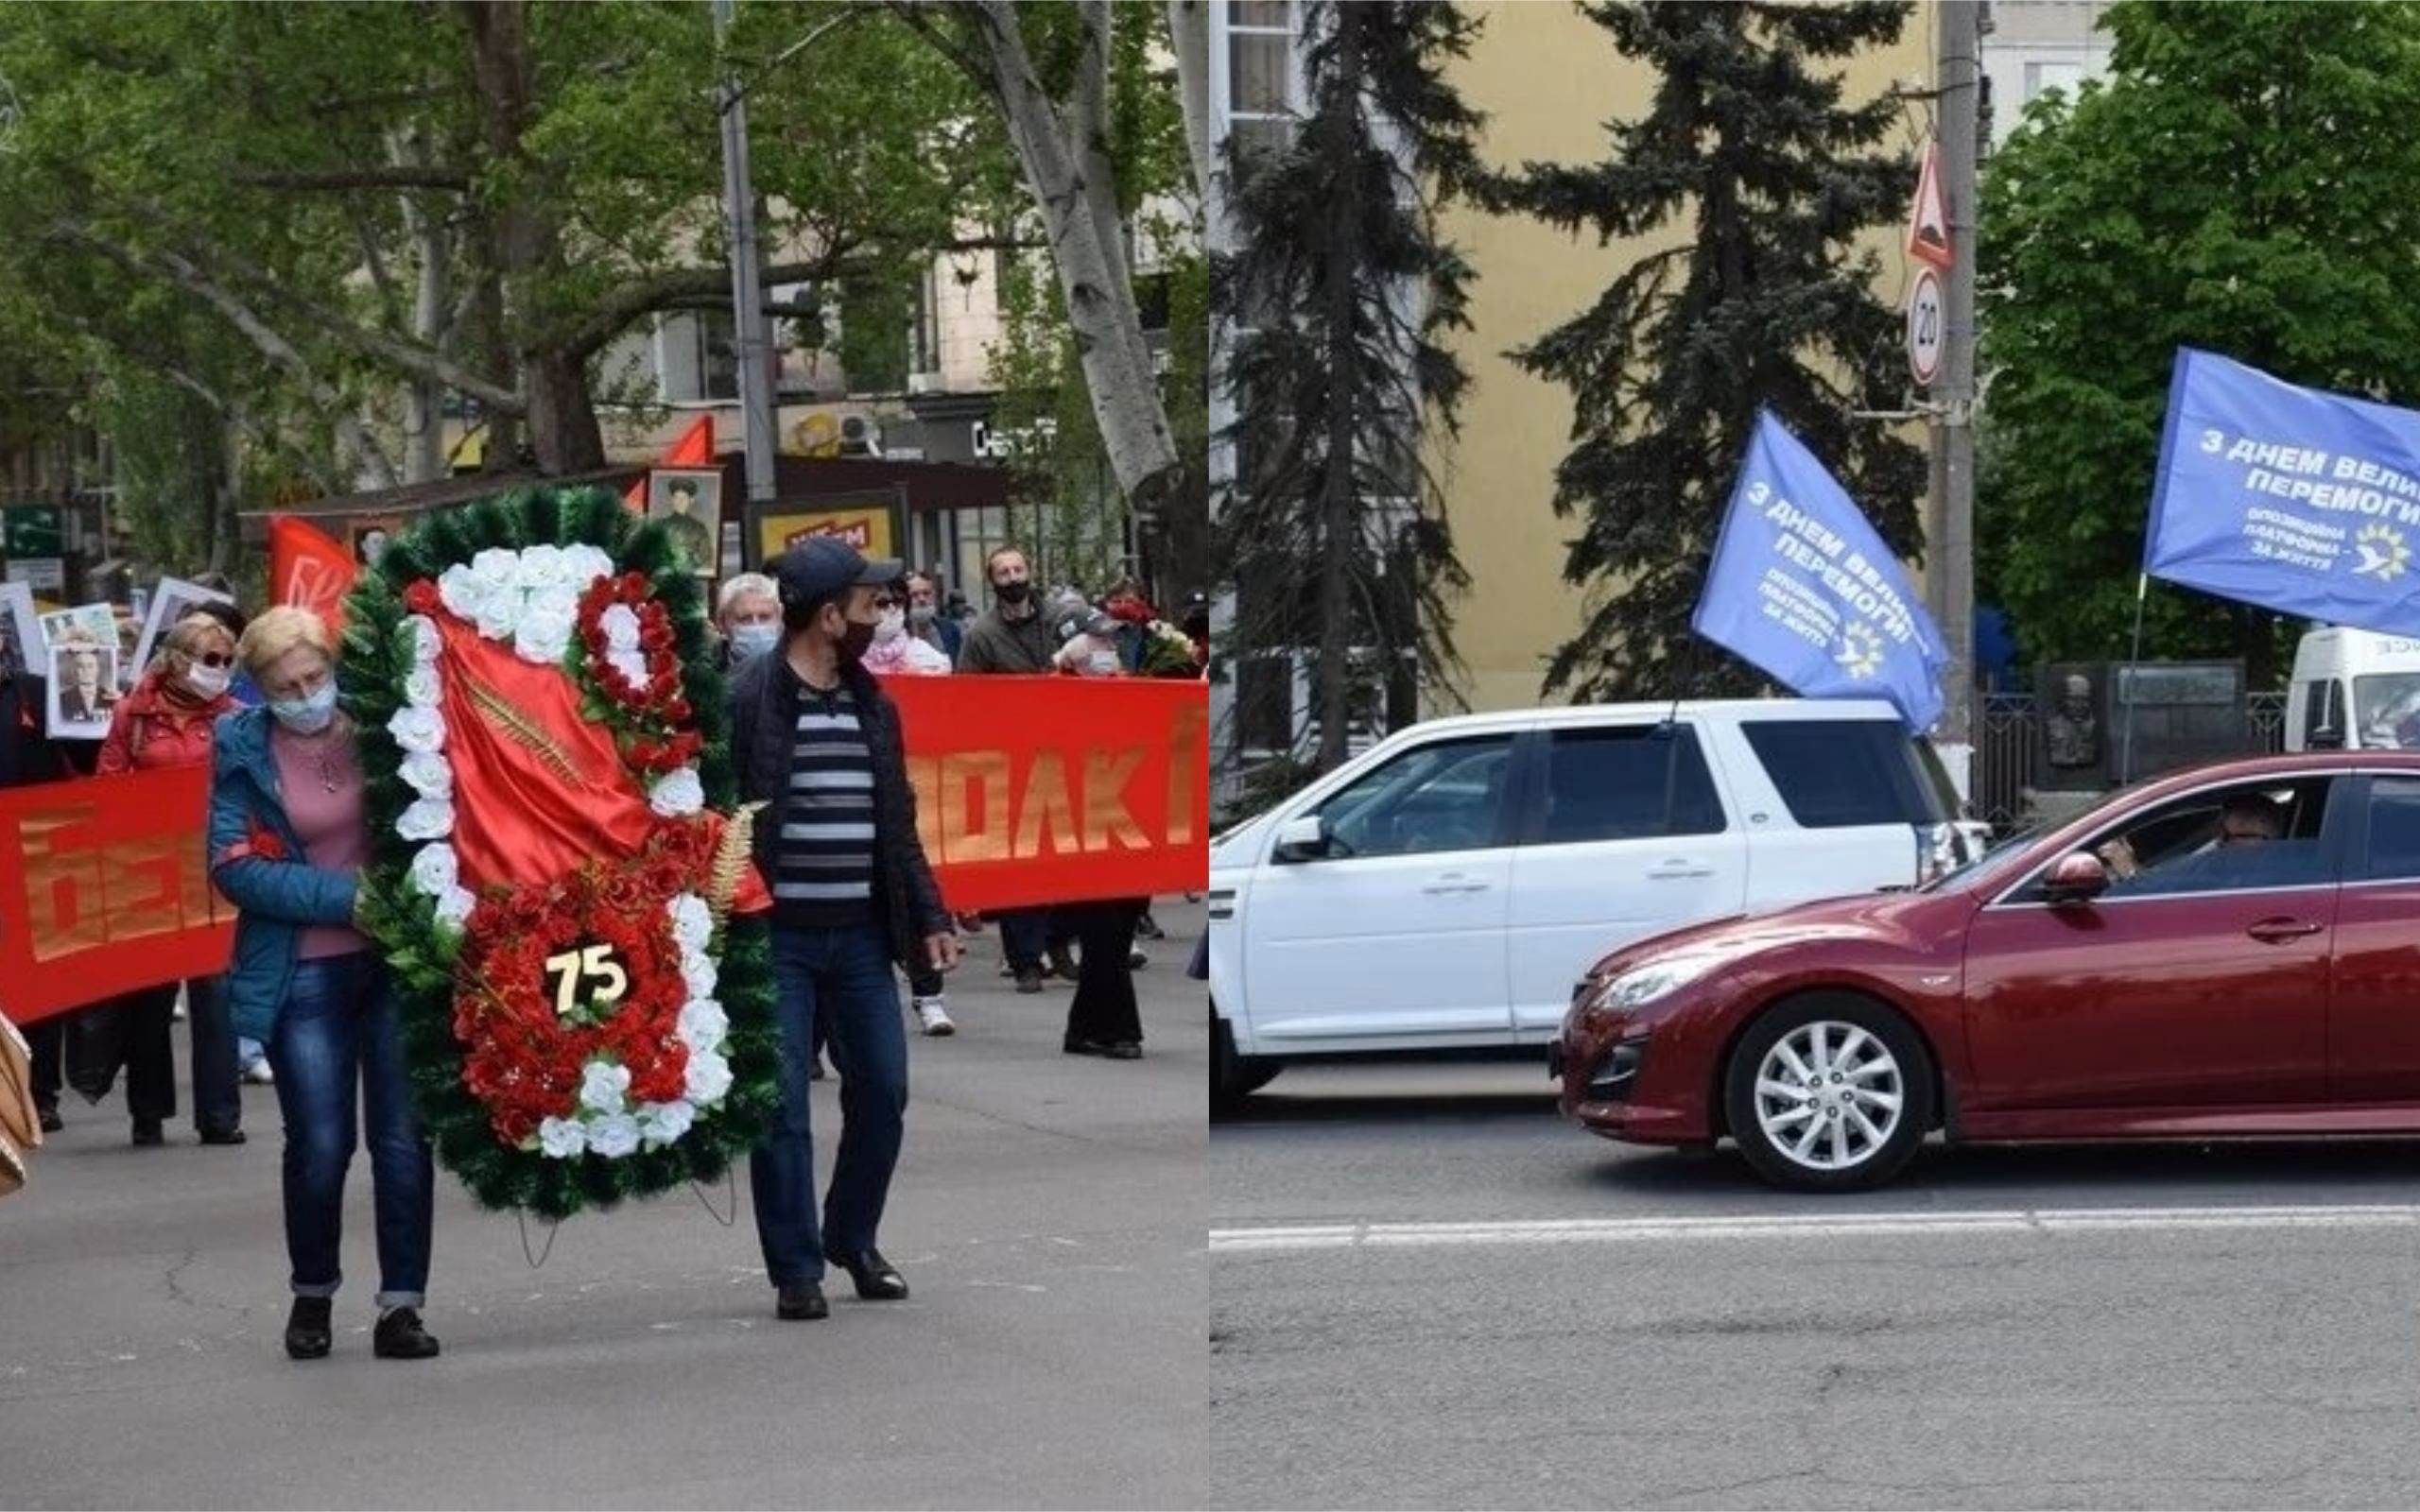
(287, 842)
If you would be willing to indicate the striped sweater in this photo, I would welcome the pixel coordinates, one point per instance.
(825, 855)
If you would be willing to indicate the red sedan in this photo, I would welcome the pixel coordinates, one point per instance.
(2230, 951)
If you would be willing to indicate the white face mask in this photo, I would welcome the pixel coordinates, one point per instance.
(888, 625)
(208, 681)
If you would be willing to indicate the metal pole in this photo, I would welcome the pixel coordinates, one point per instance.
(752, 334)
(1954, 436)
(2126, 685)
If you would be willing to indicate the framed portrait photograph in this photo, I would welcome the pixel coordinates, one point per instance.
(171, 601)
(688, 503)
(21, 639)
(872, 520)
(96, 623)
(83, 687)
(369, 539)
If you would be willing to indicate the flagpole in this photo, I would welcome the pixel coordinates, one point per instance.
(2125, 687)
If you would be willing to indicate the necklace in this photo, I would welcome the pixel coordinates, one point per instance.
(331, 772)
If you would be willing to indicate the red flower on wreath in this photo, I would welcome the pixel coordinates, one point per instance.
(422, 598)
(648, 713)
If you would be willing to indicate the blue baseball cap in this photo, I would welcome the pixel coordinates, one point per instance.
(821, 568)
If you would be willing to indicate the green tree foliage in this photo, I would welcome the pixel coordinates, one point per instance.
(1759, 177)
(1341, 295)
(2241, 182)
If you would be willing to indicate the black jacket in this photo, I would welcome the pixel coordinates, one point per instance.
(27, 752)
(764, 720)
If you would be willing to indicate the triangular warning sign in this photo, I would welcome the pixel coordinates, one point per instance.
(1929, 220)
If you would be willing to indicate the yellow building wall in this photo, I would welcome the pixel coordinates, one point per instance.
(1548, 80)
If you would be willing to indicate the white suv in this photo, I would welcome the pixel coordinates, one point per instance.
(1445, 889)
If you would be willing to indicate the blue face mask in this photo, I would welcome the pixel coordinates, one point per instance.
(749, 641)
(307, 717)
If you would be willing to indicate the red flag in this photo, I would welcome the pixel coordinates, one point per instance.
(634, 498)
(309, 568)
(696, 447)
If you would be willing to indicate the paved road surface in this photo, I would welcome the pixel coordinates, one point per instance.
(1426, 1291)
(1049, 1215)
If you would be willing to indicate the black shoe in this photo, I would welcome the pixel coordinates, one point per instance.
(223, 1136)
(1148, 928)
(51, 1122)
(1124, 1050)
(148, 1132)
(1075, 1046)
(800, 1303)
(1028, 981)
(1063, 962)
(400, 1336)
(876, 1280)
(307, 1331)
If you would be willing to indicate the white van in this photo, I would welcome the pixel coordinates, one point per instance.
(2354, 689)
(1445, 889)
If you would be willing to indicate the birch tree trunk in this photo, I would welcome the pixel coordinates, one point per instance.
(1189, 38)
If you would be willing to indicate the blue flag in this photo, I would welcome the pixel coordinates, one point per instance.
(2301, 502)
(1803, 588)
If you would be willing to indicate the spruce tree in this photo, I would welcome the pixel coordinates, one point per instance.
(1335, 299)
(1750, 151)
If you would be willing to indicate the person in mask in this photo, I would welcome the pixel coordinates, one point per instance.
(1016, 638)
(167, 721)
(926, 621)
(747, 612)
(1104, 1019)
(814, 736)
(896, 652)
(288, 838)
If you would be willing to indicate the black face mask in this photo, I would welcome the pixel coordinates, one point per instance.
(1012, 593)
(855, 640)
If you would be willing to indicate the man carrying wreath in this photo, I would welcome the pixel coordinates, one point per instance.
(815, 740)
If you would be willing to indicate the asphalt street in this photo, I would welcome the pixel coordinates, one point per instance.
(1048, 1215)
(1427, 1290)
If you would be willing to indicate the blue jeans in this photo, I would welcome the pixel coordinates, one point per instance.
(217, 1093)
(1025, 936)
(839, 981)
(339, 1030)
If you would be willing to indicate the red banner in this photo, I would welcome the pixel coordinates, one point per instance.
(1029, 791)
(309, 568)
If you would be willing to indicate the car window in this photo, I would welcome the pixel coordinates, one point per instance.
(1632, 783)
(1836, 774)
(2323, 710)
(1446, 795)
(2389, 707)
(2395, 829)
(2247, 838)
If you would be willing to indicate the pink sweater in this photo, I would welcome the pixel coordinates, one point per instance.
(329, 824)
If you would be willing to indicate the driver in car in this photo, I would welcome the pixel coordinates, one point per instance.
(2247, 824)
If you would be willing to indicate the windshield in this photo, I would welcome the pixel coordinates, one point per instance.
(1994, 860)
(2386, 708)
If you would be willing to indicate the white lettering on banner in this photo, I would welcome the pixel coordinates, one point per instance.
(2354, 469)
(2333, 497)
(2284, 459)
(1809, 543)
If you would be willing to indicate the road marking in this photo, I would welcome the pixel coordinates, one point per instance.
(1681, 1229)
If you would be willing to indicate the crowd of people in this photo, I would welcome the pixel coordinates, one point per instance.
(306, 1005)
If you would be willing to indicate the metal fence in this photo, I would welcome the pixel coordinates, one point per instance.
(2008, 743)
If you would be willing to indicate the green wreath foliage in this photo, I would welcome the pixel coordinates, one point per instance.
(421, 951)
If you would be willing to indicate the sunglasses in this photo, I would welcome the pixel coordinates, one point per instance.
(209, 659)
(885, 601)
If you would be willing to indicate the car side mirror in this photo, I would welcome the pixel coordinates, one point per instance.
(2077, 877)
(1302, 839)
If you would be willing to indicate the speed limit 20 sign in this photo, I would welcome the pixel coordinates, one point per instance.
(1928, 325)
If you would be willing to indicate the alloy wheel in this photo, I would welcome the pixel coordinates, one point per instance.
(1829, 1096)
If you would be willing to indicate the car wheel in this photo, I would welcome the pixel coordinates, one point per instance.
(1234, 1077)
(1829, 1092)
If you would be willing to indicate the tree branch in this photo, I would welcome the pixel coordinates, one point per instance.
(372, 176)
(913, 14)
(658, 291)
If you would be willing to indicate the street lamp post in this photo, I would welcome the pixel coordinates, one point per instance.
(750, 331)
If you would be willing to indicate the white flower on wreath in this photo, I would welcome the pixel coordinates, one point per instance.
(677, 793)
(542, 567)
(601, 1086)
(562, 1138)
(664, 1123)
(698, 975)
(621, 626)
(583, 564)
(425, 772)
(630, 665)
(435, 870)
(428, 818)
(454, 907)
(463, 592)
(546, 629)
(418, 730)
(709, 1078)
(702, 1024)
(427, 640)
(693, 923)
(421, 688)
(614, 1137)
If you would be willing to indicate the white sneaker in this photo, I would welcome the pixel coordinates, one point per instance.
(934, 1014)
(259, 1074)
(1136, 961)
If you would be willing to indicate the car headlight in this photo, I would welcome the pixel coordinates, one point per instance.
(1657, 979)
